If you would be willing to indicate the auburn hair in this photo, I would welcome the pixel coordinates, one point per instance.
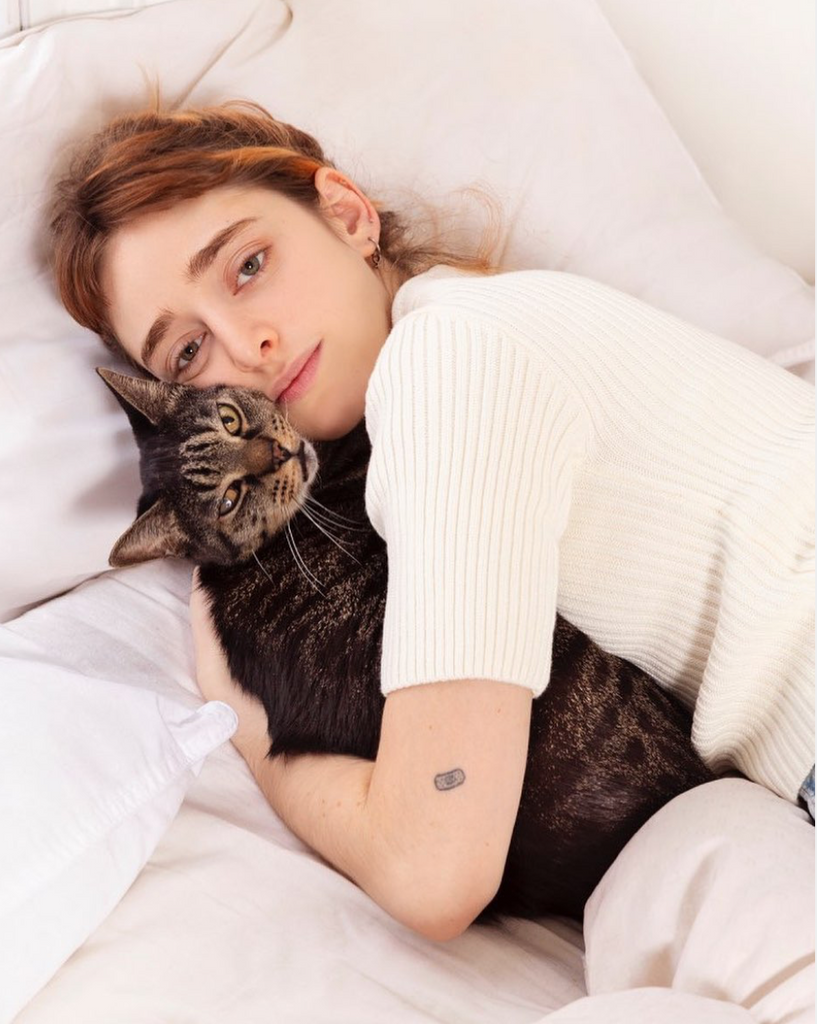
(152, 159)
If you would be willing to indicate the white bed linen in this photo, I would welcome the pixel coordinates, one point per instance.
(713, 897)
(94, 771)
(230, 926)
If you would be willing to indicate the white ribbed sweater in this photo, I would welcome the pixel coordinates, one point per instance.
(542, 441)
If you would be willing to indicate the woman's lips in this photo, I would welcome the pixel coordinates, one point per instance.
(302, 382)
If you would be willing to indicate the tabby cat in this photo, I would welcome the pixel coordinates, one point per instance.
(296, 580)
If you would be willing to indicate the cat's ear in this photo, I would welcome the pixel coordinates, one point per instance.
(155, 534)
(152, 399)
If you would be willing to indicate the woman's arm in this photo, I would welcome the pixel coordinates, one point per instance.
(424, 829)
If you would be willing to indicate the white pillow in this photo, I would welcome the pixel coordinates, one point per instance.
(538, 100)
(93, 773)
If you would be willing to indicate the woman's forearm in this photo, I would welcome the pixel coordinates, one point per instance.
(422, 851)
(416, 844)
(323, 799)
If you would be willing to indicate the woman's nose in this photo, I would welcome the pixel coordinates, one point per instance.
(251, 350)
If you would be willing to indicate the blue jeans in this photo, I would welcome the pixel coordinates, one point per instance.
(807, 793)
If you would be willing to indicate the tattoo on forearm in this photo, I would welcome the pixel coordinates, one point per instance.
(449, 780)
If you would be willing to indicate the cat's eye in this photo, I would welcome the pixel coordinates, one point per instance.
(230, 419)
(229, 500)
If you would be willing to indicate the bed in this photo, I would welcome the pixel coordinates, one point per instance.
(143, 877)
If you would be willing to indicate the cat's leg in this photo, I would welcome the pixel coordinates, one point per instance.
(713, 897)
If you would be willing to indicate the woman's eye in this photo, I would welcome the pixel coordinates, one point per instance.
(250, 267)
(229, 501)
(230, 419)
(188, 354)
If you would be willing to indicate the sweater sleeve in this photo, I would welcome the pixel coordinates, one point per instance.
(473, 449)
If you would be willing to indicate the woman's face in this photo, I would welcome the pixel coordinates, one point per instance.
(247, 287)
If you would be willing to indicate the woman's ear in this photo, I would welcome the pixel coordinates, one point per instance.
(348, 210)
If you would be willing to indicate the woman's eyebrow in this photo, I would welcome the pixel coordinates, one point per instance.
(158, 330)
(196, 266)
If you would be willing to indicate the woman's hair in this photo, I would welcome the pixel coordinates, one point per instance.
(150, 160)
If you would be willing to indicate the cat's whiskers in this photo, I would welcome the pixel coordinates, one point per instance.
(312, 519)
(330, 514)
(261, 567)
(311, 578)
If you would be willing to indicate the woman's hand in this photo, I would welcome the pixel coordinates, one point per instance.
(215, 682)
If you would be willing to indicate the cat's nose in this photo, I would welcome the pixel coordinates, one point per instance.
(262, 455)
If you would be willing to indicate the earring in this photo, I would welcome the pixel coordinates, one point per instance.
(376, 255)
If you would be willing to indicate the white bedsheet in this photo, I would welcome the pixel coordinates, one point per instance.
(227, 924)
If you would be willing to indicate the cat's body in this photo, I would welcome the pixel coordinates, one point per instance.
(607, 746)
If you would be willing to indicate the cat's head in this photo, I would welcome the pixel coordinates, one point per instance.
(222, 471)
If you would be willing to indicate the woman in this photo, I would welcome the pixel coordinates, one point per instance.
(538, 440)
